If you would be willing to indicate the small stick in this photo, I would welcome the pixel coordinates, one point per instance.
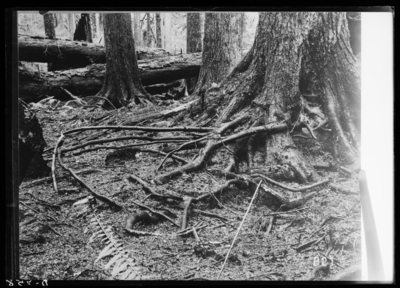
(195, 234)
(301, 189)
(185, 215)
(53, 163)
(271, 222)
(240, 226)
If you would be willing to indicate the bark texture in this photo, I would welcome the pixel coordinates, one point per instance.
(193, 42)
(49, 25)
(71, 24)
(122, 84)
(222, 48)
(149, 34)
(293, 55)
(158, 30)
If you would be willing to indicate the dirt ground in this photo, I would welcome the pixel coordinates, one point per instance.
(56, 228)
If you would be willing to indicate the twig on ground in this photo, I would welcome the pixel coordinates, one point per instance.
(240, 226)
(301, 189)
(185, 215)
(53, 163)
(271, 222)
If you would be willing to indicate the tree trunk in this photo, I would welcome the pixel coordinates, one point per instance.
(122, 84)
(83, 30)
(222, 48)
(167, 32)
(88, 81)
(158, 30)
(293, 55)
(193, 42)
(137, 32)
(149, 31)
(71, 23)
(93, 25)
(49, 25)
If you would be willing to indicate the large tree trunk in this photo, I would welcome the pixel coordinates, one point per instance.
(222, 48)
(71, 24)
(158, 30)
(122, 84)
(193, 42)
(49, 25)
(72, 54)
(167, 32)
(93, 25)
(83, 29)
(293, 54)
(137, 32)
(88, 81)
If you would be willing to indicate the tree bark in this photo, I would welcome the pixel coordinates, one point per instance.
(294, 54)
(71, 54)
(88, 81)
(93, 25)
(222, 48)
(83, 29)
(193, 42)
(49, 25)
(167, 32)
(137, 32)
(149, 31)
(71, 24)
(122, 84)
(158, 30)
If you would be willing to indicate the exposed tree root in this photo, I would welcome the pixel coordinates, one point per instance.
(156, 212)
(302, 189)
(185, 215)
(96, 195)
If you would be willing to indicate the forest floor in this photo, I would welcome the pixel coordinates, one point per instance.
(55, 232)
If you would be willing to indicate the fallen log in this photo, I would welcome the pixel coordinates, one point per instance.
(67, 54)
(34, 85)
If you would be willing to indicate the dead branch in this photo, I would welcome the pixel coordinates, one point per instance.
(309, 129)
(220, 189)
(156, 212)
(133, 178)
(240, 226)
(121, 139)
(134, 145)
(310, 243)
(53, 163)
(96, 195)
(185, 215)
(290, 188)
(143, 128)
(271, 222)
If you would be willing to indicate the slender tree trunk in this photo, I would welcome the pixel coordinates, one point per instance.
(122, 84)
(222, 48)
(71, 23)
(167, 32)
(193, 42)
(49, 25)
(295, 57)
(158, 30)
(93, 25)
(136, 30)
(149, 31)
